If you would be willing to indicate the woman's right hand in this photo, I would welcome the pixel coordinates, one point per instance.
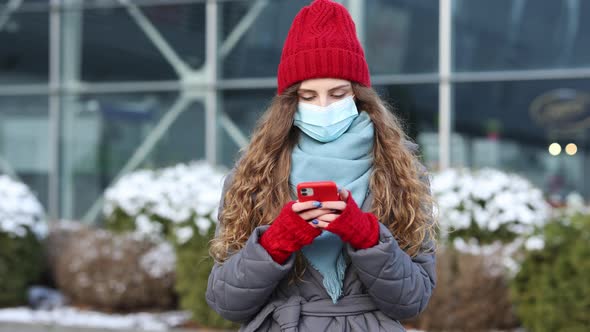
(312, 211)
(289, 232)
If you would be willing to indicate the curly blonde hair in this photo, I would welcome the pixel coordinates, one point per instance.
(401, 195)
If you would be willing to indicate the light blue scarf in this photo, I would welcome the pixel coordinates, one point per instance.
(348, 161)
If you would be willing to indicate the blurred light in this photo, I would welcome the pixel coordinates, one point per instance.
(555, 149)
(571, 149)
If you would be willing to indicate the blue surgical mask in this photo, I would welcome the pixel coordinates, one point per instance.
(326, 124)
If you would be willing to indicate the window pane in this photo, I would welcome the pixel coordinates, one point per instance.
(24, 47)
(258, 51)
(244, 108)
(25, 5)
(114, 47)
(401, 36)
(508, 34)
(101, 133)
(24, 141)
(417, 107)
(510, 125)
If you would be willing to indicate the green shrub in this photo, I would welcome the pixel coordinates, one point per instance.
(22, 228)
(552, 289)
(192, 272)
(21, 264)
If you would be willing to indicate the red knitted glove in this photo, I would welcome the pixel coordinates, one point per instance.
(356, 227)
(287, 234)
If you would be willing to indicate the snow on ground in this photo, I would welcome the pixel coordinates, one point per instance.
(68, 316)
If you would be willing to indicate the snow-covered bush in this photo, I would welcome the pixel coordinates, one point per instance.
(487, 205)
(101, 269)
(22, 227)
(179, 204)
(574, 204)
(173, 203)
(20, 211)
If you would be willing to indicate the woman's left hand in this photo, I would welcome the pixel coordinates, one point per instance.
(360, 229)
(336, 206)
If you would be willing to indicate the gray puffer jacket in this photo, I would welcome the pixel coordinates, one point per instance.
(382, 285)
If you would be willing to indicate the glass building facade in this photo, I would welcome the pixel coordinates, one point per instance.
(90, 90)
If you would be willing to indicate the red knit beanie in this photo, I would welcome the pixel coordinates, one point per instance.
(322, 43)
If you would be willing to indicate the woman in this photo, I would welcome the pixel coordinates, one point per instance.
(359, 264)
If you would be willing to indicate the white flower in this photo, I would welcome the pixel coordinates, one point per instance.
(183, 234)
(534, 243)
(574, 204)
(147, 227)
(574, 200)
(203, 224)
(159, 260)
(481, 216)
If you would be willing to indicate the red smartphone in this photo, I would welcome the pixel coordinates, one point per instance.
(321, 191)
